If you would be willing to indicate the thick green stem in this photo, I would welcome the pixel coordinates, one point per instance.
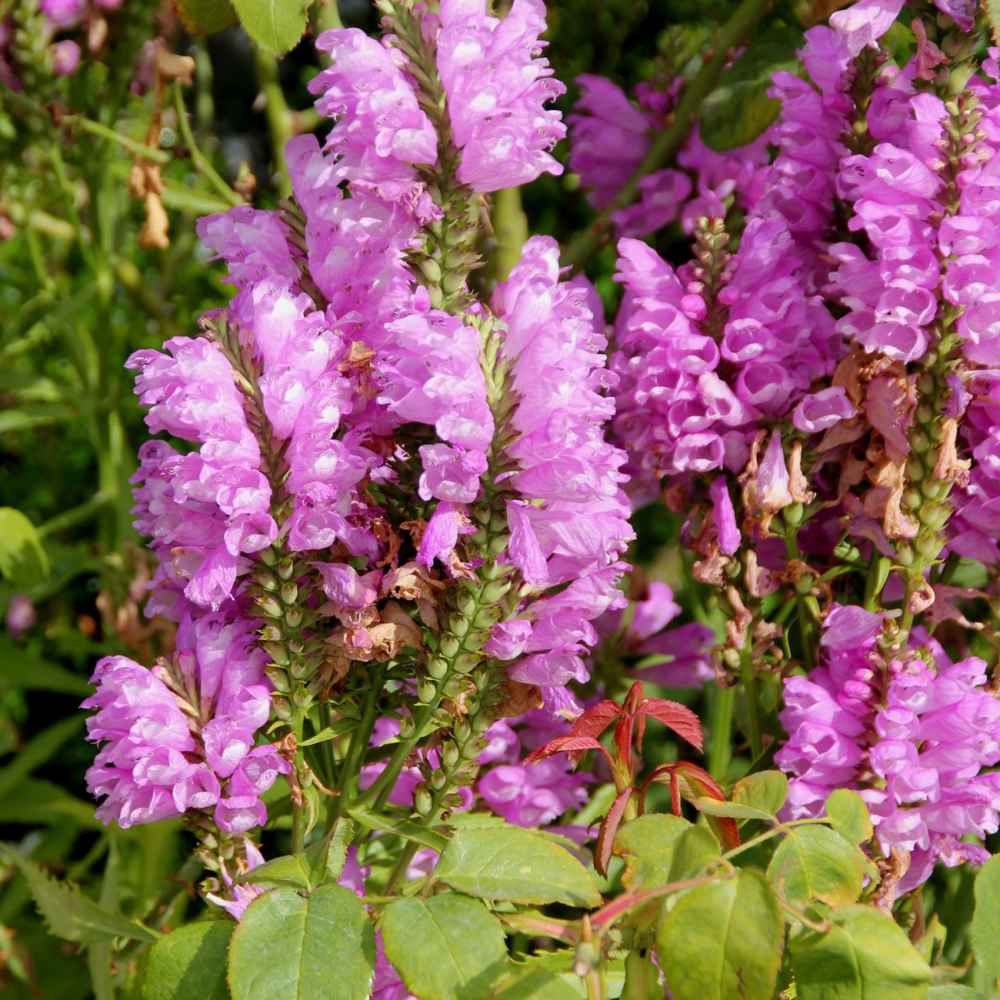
(510, 229)
(668, 142)
(720, 748)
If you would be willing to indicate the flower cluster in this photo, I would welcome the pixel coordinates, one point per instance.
(913, 734)
(181, 736)
(703, 350)
(609, 138)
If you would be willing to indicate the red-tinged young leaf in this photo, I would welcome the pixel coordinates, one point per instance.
(623, 740)
(574, 745)
(634, 699)
(609, 829)
(663, 775)
(596, 719)
(696, 783)
(675, 716)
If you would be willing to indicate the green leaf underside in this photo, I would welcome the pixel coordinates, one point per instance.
(514, 864)
(449, 946)
(295, 946)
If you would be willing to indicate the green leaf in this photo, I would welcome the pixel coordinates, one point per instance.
(39, 415)
(38, 751)
(647, 846)
(729, 810)
(291, 870)
(43, 803)
(276, 25)
(204, 17)
(817, 863)
(695, 848)
(739, 109)
(865, 956)
(986, 919)
(190, 963)
(461, 950)
(848, 815)
(515, 864)
(722, 940)
(23, 560)
(764, 790)
(19, 669)
(954, 992)
(288, 944)
(400, 827)
(542, 984)
(69, 914)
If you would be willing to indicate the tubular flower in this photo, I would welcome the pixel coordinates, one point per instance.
(914, 738)
(181, 736)
(610, 136)
(567, 515)
(497, 86)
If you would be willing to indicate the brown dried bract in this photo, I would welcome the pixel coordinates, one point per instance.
(517, 698)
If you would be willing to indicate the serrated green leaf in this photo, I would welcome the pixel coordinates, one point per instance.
(739, 109)
(647, 846)
(461, 952)
(23, 560)
(764, 790)
(865, 956)
(204, 17)
(189, 963)
(986, 919)
(68, 913)
(722, 940)
(515, 864)
(276, 25)
(817, 863)
(848, 815)
(319, 946)
(19, 669)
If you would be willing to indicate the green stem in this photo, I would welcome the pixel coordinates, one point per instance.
(351, 768)
(510, 228)
(280, 121)
(76, 515)
(720, 751)
(198, 158)
(668, 142)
